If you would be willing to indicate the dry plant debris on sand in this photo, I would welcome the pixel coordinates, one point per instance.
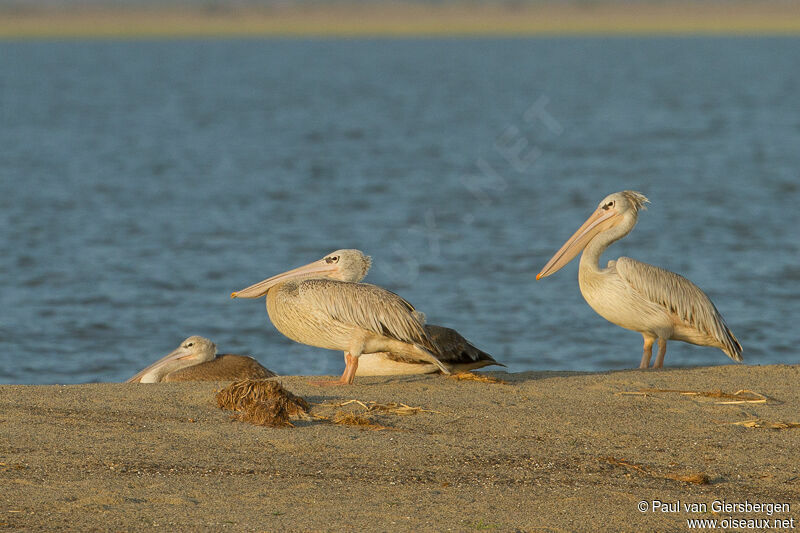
(394, 408)
(758, 423)
(262, 402)
(697, 478)
(342, 418)
(738, 397)
(265, 402)
(743, 396)
(365, 419)
(469, 376)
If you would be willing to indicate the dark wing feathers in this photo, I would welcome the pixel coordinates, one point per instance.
(455, 348)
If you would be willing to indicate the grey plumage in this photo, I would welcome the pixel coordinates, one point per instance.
(226, 367)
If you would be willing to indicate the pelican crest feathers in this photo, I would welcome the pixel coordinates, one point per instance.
(637, 200)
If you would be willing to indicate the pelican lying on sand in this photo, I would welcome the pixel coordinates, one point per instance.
(655, 302)
(322, 304)
(196, 360)
(455, 352)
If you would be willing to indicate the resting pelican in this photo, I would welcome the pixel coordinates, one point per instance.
(196, 360)
(659, 304)
(456, 353)
(322, 304)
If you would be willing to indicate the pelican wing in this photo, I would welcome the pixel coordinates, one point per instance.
(681, 298)
(369, 307)
(456, 350)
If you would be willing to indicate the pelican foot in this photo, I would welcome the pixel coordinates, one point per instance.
(650, 367)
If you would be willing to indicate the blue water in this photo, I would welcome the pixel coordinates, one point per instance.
(142, 182)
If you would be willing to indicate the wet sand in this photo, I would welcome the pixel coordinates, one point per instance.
(404, 19)
(548, 451)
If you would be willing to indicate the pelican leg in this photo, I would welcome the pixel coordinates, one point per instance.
(662, 351)
(350, 367)
(647, 352)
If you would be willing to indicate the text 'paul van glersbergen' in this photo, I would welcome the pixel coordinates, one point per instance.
(721, 506)
(717, 506)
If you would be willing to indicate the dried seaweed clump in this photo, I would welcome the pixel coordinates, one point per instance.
(758, 423)
(469, 376)
(262, 402)
(697, 478)
(394, 408)
(738, 397)
(272, 414)
(342, 418)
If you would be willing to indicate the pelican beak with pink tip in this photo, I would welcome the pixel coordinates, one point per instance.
(601, 220)
(183, 352)
(262, 287)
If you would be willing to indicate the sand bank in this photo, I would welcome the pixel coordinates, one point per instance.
(547, 451)
(406, 19)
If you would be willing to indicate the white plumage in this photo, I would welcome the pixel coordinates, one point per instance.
(659, 304)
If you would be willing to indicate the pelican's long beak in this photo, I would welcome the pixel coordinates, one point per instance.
(600, 221)
(260, 289)
(177, 354)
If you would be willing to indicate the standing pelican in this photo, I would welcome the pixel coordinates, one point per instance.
(655, 302)
(456, 353)
(196, 360)
(322, 304)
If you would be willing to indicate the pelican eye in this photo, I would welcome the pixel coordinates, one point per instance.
(189, 344)
(608, 206)
(334, 259)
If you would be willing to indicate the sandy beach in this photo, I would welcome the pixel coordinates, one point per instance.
(399, 19)
(546, 451)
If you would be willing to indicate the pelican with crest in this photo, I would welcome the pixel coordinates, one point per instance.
(196, 359)
(659, 304)
(323, 304)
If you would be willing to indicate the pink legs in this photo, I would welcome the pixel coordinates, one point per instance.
(351, 365)
(662, 351)
(648, 352)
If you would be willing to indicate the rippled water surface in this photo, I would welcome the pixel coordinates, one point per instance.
(142, 182)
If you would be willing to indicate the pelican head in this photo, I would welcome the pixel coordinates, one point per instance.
(342, 265)
(618, 211)
(192, 351)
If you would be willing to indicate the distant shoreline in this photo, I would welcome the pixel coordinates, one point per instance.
(405, 20)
